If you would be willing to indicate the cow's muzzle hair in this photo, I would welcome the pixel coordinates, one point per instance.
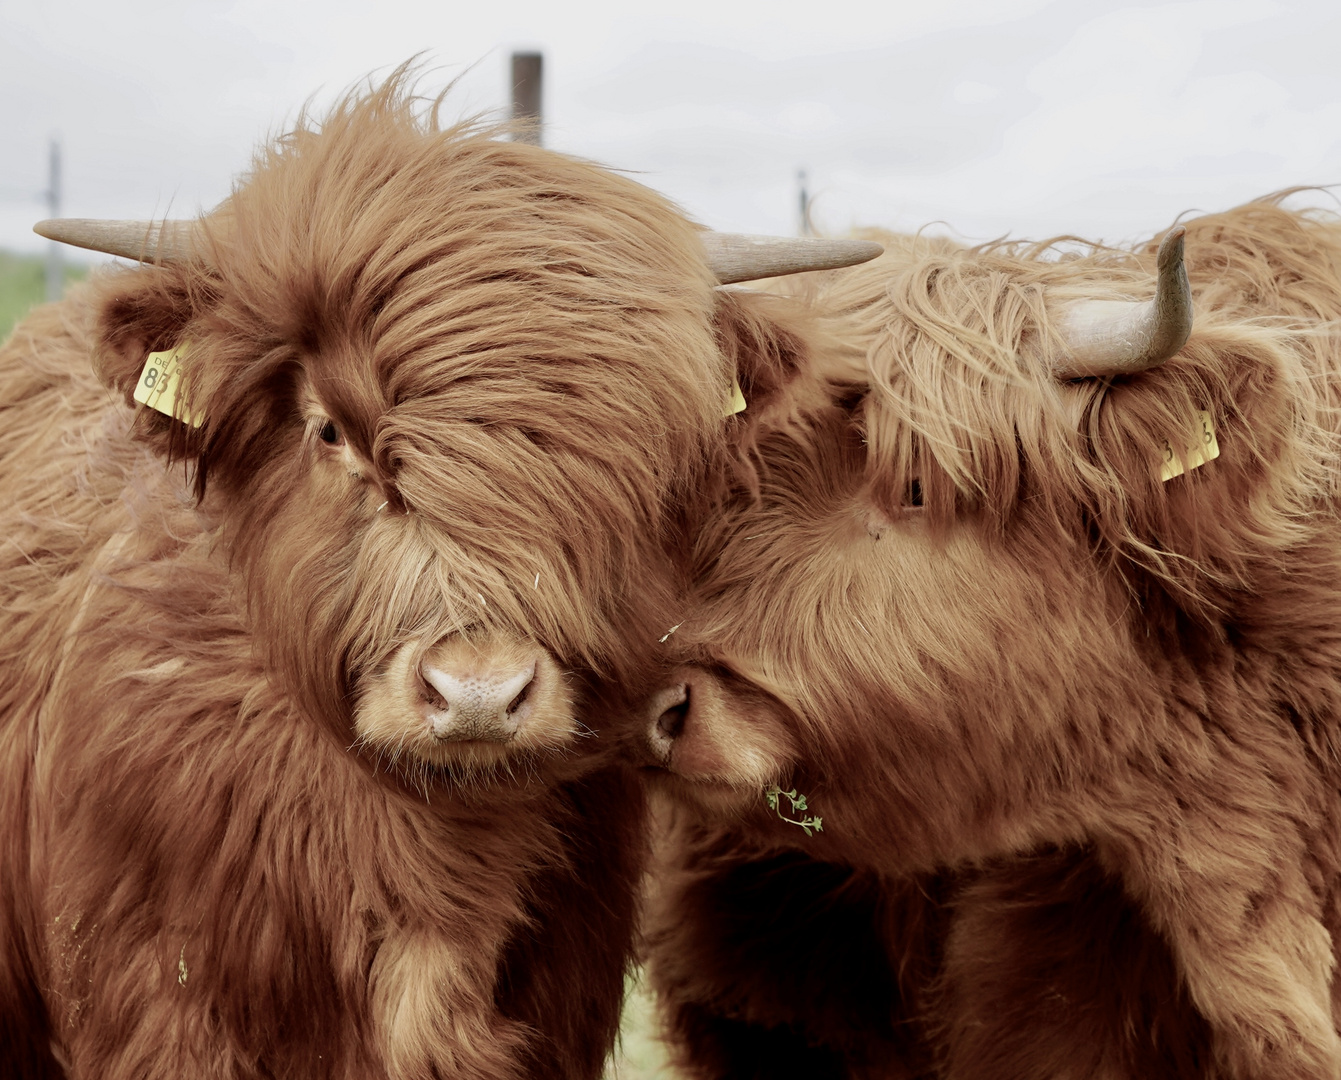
(732, 257)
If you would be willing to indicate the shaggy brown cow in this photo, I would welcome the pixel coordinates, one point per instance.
(970, 621)
(300, 768)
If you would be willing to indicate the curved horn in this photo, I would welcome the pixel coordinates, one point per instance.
(143, 241)
(1122, 337)
(734, 257)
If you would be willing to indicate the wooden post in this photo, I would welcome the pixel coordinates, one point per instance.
(55, 271)
(527, 82)
(805, 227)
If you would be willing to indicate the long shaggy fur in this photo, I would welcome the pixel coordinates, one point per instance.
(1103, 708)
(450, 386)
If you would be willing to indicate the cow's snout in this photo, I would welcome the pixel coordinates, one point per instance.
(477, 699)
(714, 728)
(467, 701)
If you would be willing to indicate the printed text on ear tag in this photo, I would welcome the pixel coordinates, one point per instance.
(1201, 447)
(160, 381)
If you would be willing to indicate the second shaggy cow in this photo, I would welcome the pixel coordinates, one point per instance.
(1061, 685)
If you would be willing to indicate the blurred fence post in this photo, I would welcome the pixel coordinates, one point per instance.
(805, 227)
(55, 271)
(527, 84)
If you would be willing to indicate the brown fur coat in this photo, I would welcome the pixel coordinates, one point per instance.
(450, 385)
(1072, 731)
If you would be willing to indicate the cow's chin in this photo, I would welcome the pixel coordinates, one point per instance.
(466, 710)
(715, 798)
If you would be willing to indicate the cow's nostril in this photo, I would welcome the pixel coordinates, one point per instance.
(521, 698)
(671, 721)
(430, 694)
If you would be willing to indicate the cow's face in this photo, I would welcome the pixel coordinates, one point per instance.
(959, 580)
(841, 648)
(851, 652)
(449, 385)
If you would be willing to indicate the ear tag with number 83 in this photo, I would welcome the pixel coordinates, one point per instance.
(1201, 447)
(159, 382)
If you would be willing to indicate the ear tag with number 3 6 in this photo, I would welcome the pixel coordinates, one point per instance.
(1201, 447)
(159, 382)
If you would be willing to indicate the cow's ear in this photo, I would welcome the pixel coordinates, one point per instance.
(779, 354)
(141, 311)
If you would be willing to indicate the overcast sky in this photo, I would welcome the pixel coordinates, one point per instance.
(990, 117)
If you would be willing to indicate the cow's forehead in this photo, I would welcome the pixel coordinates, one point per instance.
(404, 265)
(373, 212)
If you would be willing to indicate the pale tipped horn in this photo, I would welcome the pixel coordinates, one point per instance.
(734, 257)
(1121, 337)
(143, 241)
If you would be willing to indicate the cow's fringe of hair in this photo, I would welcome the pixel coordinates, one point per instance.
(959, 345)
(447, 295)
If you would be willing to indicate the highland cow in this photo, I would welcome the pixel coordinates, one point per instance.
(1060, 685)
(301, 766)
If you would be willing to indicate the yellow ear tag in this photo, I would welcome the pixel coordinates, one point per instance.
(158, 384)
(1201, 447)
(737, 402)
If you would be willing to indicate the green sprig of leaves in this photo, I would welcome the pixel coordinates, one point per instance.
(775, 795)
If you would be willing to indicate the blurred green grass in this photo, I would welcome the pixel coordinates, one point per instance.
(23, 286)
(639, 1055)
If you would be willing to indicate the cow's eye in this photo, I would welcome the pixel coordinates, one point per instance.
(915, 493)
(329, 433)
